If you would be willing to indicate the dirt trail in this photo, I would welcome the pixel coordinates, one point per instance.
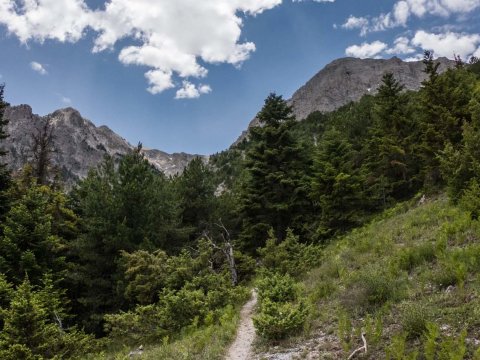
(241, 349)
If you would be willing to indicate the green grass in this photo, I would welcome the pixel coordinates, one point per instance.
(411, 267)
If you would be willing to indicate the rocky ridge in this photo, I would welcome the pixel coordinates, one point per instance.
(348, 79)
(81, 145)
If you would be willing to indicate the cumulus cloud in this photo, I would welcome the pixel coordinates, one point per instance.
(366, 50)
(191, 91)
(401, 46)
(37, 67)
(354, 22)
(448, 44)
(171, 37)
(404, 9)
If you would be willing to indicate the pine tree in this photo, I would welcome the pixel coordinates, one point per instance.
(444, 109)
(33, 328)
(124, 208)
(461, 166)
(29, 244)
(273, 194)
(196, 192)
(389, 156)
(4, 172)
(336, 186)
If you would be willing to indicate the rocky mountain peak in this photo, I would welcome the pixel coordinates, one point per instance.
(81, 145)
(348, 79)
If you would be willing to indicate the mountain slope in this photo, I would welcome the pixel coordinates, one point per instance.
(400, 279)
(79, 143)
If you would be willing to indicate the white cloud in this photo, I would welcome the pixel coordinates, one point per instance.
(354, 22)
(448, 44)
(62, 20)
(401, 46)
(404, 9)
(190, 91)
(174, 38)
(366, 50)
(66, 100)
(39, 68)
(416, 57)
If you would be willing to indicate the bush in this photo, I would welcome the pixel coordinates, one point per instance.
(289, 256)
(276, 320)
(280, 312)
(451, 271)
(277, 288)
(415, 317)
(470, 201)
(373, 287)
(410, 258)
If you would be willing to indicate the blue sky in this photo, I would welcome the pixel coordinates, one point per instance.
(207, 74)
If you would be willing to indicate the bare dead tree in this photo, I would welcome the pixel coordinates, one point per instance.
(226, 249)
(59, 322)
(42, 150)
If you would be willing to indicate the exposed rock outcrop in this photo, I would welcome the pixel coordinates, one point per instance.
(80, 144)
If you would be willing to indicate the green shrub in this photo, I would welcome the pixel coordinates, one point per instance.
(277, 320)
(415, 317)
(142, 325)
(277, 288)
(470, 200)
(410, 258)
(398, 349)
(289, 256)
(373, 287)
(280, 312)
(451, 271)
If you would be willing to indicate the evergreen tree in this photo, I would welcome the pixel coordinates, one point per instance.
(389, 150)
(127, 208)
(26, 323)
(274, 191)
(33, 327)
(461, 166)
(196, 192)
(336, 186)
(29, 244)
(444, 109)
(4, 172)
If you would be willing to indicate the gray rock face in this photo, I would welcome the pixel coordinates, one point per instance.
(348, 79)
(79, 143)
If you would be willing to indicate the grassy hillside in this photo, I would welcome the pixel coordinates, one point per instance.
(410, 280)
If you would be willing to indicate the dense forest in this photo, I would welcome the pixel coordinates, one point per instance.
(130, 256)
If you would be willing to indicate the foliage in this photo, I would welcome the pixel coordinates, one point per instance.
(4, 172)
(272, 194)
(281, 312)
(31, 242)
(124, 208)
(415, 318)
(288, 256)
(30, 332)
(196, 190)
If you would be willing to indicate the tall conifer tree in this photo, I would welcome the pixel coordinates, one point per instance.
(4, 172)
(274, 193)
